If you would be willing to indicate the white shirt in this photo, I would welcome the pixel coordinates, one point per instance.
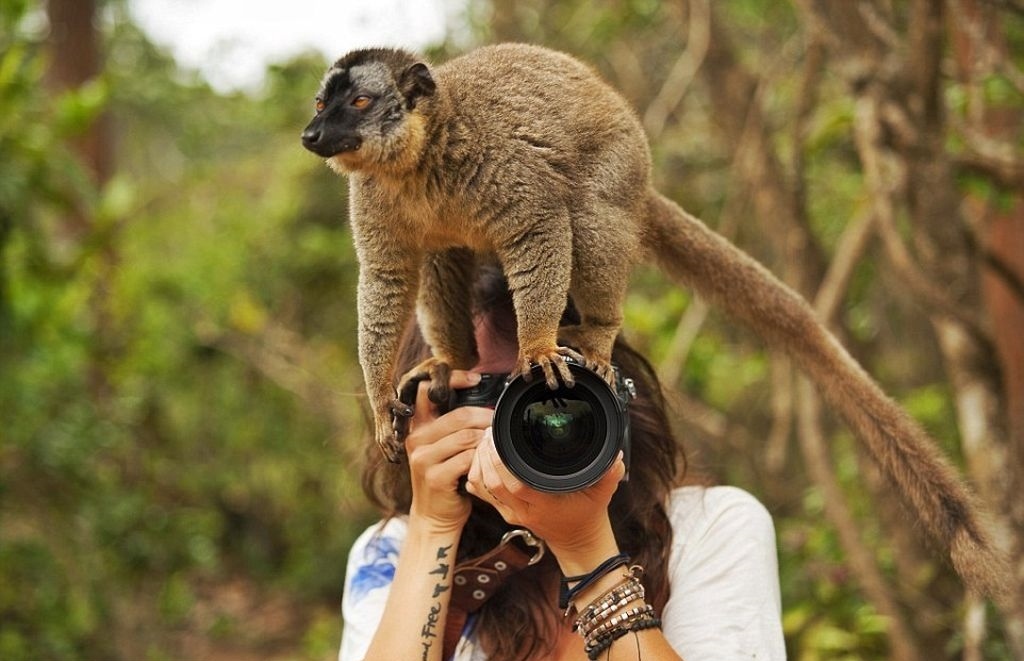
(723, 576)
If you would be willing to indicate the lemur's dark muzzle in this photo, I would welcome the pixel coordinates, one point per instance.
(317, 141)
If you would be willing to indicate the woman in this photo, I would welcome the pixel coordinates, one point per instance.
(705, 556)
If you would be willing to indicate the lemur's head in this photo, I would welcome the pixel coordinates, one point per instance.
(366, 111)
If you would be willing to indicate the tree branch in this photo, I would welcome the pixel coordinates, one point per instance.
(812, 441)
(682, 73)
(849, 251)
(997, 158)
(877, 171)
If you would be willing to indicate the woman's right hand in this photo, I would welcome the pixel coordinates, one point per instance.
(440, 450)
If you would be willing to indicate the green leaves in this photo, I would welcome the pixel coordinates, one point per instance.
(76, 110)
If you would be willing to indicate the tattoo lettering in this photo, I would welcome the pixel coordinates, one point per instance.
(428, 632)
(432, 617)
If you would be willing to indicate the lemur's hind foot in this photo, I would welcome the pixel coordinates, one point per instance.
(595, 355)
(552, 364)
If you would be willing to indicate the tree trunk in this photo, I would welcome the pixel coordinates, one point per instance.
(75, 59)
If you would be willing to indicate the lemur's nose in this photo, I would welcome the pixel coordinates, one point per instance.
(310, 137)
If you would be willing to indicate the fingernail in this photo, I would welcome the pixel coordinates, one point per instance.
(474, 378)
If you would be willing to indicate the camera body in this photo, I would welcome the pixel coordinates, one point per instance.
(556, 440)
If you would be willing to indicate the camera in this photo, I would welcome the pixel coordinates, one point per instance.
(556, 440)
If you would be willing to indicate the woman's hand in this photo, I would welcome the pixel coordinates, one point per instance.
(575, 525)
(440, 451)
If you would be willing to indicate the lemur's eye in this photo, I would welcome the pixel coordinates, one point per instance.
(320, 105)
(362, 101)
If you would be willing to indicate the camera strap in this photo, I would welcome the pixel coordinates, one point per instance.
(475, 580)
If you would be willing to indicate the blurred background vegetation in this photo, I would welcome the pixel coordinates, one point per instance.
(181, 413)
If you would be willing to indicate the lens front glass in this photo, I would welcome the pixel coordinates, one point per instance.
(560, 432)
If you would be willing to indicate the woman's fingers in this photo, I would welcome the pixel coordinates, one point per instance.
(475, 477)
(490, 481)
(424, 409)
(430, 432)
(556, 517)
(445, 446)
(441, 448)
(427, 427)
(447, 474)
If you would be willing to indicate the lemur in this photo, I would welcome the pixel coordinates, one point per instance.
(525, 155)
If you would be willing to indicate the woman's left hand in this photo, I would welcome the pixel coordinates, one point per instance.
(574, 524)
(576, 527)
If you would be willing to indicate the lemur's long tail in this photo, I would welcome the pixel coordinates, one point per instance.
(726, 277)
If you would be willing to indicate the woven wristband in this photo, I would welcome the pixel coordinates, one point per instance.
(583, 581)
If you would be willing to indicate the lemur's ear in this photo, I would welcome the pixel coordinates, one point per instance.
(416, 82)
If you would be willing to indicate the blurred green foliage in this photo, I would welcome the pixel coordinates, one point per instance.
(144, 450)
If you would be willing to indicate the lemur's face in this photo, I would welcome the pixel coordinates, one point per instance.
(362, 114)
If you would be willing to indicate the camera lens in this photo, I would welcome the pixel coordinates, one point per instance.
(555, 430)
(559, 440)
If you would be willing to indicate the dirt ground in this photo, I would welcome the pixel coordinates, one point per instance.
(231, 620)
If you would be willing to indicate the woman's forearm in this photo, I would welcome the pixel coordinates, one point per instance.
(412, 626)
(580, 557)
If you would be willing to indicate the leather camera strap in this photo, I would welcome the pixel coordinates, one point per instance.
(477, 579)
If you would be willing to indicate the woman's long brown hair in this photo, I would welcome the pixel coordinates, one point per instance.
(518, 622)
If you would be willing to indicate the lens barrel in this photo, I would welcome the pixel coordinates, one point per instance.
(560, 440)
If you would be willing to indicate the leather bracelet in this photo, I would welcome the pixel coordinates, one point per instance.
(583, 581)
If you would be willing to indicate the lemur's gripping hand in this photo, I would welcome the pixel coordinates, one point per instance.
(552, 364)
(400, 411)
(391, 438)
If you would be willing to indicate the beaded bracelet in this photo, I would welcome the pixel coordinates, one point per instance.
(631, 580)
(601, 608)
(622, 618)
(612, 615)
(638, 620)
(595, 648)
(585, 627)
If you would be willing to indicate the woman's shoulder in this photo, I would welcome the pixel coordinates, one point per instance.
(723, 573)
(694, 511)
(383, 537)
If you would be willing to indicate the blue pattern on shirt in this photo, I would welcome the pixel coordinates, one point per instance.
(378, 568)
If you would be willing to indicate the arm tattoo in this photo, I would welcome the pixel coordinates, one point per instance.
(428, 632)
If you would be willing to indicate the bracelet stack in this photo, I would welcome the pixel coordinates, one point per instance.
(615, 613)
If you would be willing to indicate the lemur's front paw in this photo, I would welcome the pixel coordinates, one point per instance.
(393, 418)
(552, 364)
(438, 371)
(391, 439)
(398, 412)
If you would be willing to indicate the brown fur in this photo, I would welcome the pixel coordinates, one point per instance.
(524, 155)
